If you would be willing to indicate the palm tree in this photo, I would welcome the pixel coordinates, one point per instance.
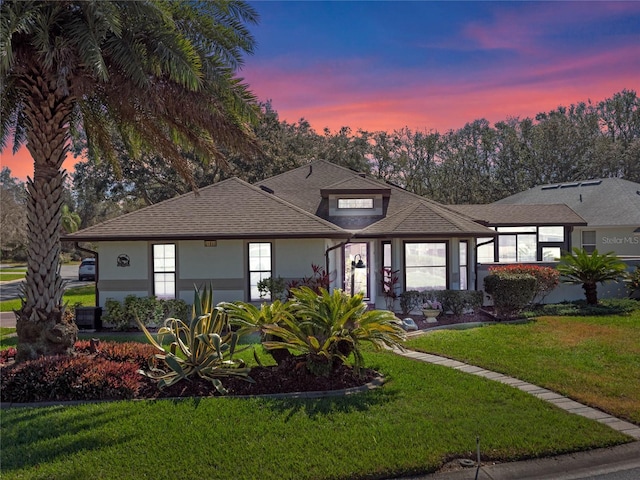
(580, 267)
(158, 76)
(70, 221)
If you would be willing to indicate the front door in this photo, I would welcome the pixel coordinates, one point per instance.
(356, 268)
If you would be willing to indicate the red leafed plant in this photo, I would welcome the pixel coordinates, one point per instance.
(547, 278)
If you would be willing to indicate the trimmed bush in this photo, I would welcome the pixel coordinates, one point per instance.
(511, 292)
(547, 278)
(459, 301)
(607, 306)
(150, 310)
(69, 378)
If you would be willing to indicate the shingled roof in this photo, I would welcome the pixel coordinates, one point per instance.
(228, 209)
(601, 202)
(517, 215)
(423, 218)
(305, 187)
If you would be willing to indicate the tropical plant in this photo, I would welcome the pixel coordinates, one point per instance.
(633, 283)
(327, 327)
(69, 220)
(389, 283)
(206, 345)
(588, 269)
(275, 288)
(151, 75)
(251, 319)
(317, 281)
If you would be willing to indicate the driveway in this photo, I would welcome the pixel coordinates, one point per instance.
(11, 290)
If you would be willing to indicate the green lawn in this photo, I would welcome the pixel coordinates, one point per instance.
(12, 273)
(594, 360)
(85, 295)
(424, 416)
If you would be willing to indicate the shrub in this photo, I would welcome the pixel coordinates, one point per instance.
(609, 306)
(68, 378)
(547, 278)
(150, 310)
(113, 313)
(409, 300)
(459, 301)
(275, 288)
(633, 283)
(131, 352)
(511, 292)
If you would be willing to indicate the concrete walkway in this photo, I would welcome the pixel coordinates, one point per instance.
(556, 399)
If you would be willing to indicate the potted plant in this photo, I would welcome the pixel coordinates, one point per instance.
(431, 309)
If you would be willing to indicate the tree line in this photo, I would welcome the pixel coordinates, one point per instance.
(477, 163)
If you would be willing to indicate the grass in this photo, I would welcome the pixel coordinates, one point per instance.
(12, 273)
(424, 416)
(85, 295)
(594, 360)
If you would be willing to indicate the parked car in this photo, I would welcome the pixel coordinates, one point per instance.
(87, 269)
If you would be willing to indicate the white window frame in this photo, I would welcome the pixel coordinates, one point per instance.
(257, 270)
(164, 259)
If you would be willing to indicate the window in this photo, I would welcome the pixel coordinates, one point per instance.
(589, 240)
(551, 234)
(464, 261)
(259, 267)
(355, 203)
(550, 254)
(485, 251)
(425, 266)
(517, 248)
(164, 271)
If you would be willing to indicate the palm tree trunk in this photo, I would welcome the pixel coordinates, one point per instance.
(591, 292)
(40, 325)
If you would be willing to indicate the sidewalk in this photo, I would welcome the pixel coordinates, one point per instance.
(7, 319)
(573, 466)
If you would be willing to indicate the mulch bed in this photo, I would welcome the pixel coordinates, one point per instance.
(288, 377)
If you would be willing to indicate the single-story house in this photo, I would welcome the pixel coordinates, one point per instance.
(233, 234)
(610, 207)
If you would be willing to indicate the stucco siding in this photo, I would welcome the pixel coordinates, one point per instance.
(224, 260)
(293, 258)
(620, 240)
(138, 260)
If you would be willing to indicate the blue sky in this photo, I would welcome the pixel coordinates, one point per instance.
(432, 65)
(438, 65)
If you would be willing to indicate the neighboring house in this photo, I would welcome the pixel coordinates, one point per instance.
(610, 213)
(610, 206)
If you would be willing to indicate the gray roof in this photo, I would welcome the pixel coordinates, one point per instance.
(228, 209)
(602, 202)
(517, 215)
(424, 218)
(305, 186)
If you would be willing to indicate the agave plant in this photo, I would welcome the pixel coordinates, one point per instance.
(206, 346)
(328, 327)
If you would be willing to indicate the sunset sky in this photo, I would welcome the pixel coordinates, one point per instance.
(432, 65)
